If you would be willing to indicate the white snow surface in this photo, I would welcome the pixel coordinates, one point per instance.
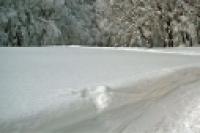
(95, 90)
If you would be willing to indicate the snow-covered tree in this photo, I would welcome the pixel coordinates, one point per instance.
(100, 22)
(155, 22)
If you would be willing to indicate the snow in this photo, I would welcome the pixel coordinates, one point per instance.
(100, 96)
(176, 51)
(93, 90)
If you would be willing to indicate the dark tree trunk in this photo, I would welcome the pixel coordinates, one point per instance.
(169, 31)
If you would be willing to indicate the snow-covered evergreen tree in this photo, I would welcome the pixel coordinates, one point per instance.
(100, 22)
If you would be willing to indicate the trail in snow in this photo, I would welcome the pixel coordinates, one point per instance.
(98, 90)
(167, 103)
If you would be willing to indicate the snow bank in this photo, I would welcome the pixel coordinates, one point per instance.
(176, 51)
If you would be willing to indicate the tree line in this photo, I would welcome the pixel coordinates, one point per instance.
(112, 23)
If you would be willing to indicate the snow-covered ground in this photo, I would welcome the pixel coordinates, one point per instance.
(95, 90)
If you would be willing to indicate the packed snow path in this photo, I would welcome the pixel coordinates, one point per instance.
(95, 90)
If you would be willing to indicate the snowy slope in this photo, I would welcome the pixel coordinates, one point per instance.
(94, 90)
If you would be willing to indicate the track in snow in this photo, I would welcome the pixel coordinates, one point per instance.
(163, 104)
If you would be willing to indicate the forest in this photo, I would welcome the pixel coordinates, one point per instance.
(104, 23)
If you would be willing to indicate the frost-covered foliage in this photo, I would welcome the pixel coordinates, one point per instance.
(155, 22)
(46, 22)
(100, 22)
